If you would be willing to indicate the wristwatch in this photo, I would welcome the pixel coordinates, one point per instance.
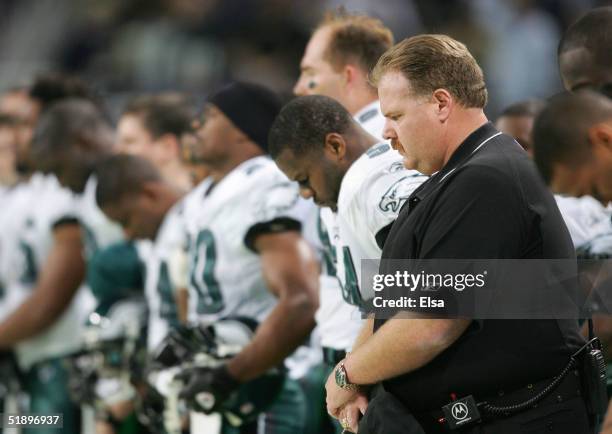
(342, 380)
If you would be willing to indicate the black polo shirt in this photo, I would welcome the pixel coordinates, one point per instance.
(487, 202)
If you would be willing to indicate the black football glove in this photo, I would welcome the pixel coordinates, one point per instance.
(181, 343)
(150, 409)
(206, 389)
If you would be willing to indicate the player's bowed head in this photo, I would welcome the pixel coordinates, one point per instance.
(70, 139)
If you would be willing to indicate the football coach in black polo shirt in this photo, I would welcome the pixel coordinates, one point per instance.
(484, 200)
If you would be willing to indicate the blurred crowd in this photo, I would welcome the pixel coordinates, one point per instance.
(125, 47)
(175, 242)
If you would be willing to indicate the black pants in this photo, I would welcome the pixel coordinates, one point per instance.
(568, 417)
(386, 415)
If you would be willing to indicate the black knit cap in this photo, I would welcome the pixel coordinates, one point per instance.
(251, 107)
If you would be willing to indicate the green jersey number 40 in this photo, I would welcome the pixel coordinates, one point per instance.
(210, 299)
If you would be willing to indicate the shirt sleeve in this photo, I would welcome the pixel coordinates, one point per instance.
(385, 195)
(62, 206)
(273, 208)
(585, 218)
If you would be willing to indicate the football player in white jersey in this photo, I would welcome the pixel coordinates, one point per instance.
(342, 50)
(316, 142)
(44, 272)
(8, 181)
(151, 127)
(247, 257)
(132, 192)
(338, 58)
(71, 138)
(587, 219)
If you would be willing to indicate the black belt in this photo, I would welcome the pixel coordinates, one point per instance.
(332, 357)
(569, 388)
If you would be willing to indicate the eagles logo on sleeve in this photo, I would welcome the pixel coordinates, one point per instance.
(398, 193)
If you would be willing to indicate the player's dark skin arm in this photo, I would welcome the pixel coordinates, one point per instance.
(292, 274)
(59, 279)
(181, 297)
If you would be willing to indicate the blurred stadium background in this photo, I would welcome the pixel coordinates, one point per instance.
(124, 47)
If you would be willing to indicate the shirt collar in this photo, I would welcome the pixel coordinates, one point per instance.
(373, 107)
(471, 144)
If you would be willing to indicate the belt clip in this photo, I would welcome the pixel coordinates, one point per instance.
(460, 412)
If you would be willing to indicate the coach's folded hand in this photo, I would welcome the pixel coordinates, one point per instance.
(206, 389)
(352, 412)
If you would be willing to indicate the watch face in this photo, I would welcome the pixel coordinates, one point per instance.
(340, 376)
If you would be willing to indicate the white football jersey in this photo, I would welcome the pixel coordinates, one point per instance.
(43, 204)
(372, 193)
(159, 287)
(4, 191)
(98, 232)
(338, 321)
(338, 317)
(371, 119)
(589, 224)
(16, 202)
(225, 276)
